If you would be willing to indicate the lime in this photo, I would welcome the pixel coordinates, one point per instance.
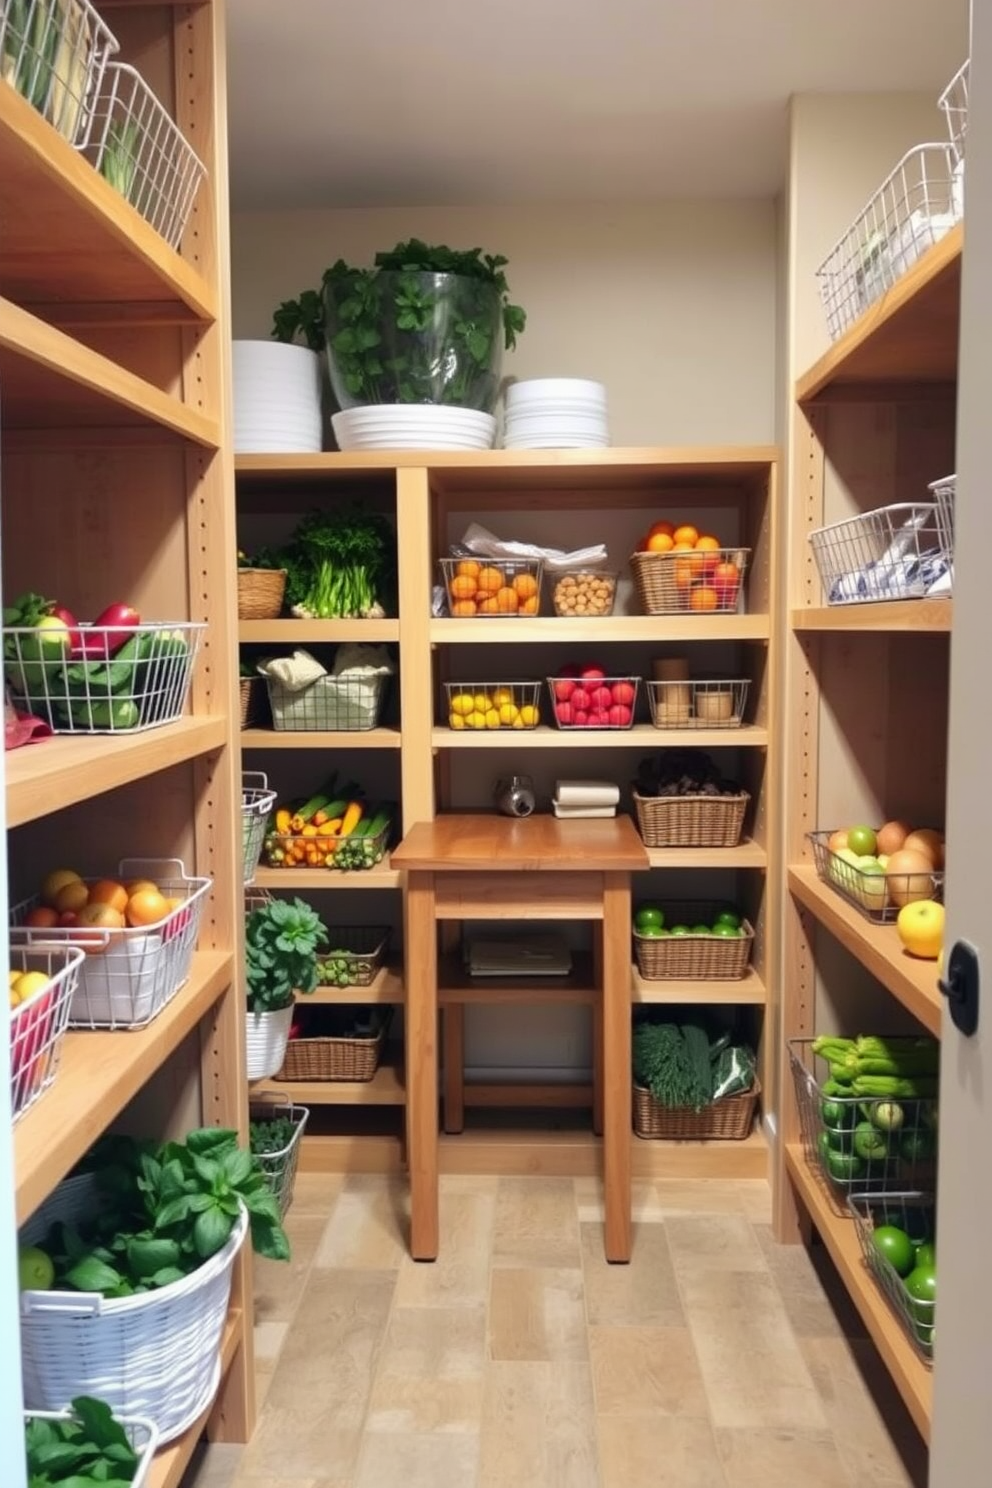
(650, 931)
(681, 930)
(34, 1269)
(729, 932)
(897, 1248)
(648, 914)
(700, 930)
(926, 1255)
(728, 917)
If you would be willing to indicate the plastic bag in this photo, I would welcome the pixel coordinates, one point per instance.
(478, 540)
(733, 1072)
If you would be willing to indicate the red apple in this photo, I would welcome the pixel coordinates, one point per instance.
(623, 693)
(564, 689)
(581, 699)
(598, 719)
(726, 579)
(563, 713)
(592, 674)
(619, 715)
(601, 697)
(580, 717)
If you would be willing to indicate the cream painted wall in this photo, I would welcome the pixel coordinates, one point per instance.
(671, 305)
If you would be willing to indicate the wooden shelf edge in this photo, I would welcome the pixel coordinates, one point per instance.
(910, 1375)
(641, 736)
(291, 879)
(747, 459)
(619, 628)
(66, 769)
(386, 987)
(747, 854)
(915, 615)
(749, 989)
(377, 738)
(287, 632)
(877, 947)
(98, 1074)
(170, 1463)
(386, 1088)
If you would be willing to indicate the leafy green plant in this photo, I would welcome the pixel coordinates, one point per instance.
(338, 563)
(119, 160)
(281, 944)
(90, 1447)
(271, 1134)
(164, 1209)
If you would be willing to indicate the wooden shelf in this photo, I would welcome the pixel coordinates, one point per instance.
(52, 381)
(888, 615)
(169, 1465)
(386, 1088)
(747, 854)
(377, 738)
(877, 947)
(456, 986)
(748, 989)
(386, 987)
(46, 777)
(116, 259)
(382, 876)
(912, 1378)
(642, 736)
(620, 628)
(909, 335)
(316, 632)
(98, 1074)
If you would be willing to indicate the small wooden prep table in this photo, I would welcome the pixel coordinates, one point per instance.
(489, 867)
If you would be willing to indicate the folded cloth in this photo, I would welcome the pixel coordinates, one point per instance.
(22, 728)
(293, 672)
(359, 660)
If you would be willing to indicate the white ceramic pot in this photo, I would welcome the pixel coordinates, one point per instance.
(267, 1035)
(276, 398)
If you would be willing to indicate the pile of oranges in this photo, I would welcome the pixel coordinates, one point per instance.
(67, 901)
(480, 588)
(702, 577)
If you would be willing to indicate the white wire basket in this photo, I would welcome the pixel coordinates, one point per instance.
(38, 1025)
(257, 801)
(135, 145)
(129, 975)
(344, 704)
(914, 1214)
(280, 1166)
(108, 687)
(953, 105)
(140, 1433)
(717, 704)
(54, 53)
(879, 895)
(909, 212)
(944, 492)
(155, 1354)
(895, 552)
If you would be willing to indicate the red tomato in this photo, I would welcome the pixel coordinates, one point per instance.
(601, 698)
(580, 717)
(619, 715)
(563, 713)
(563, 689)
(592, 674)
(581, 699)
(623, 693)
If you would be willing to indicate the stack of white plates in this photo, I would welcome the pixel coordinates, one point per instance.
(556, 413)
(406, 426)
(276, 399)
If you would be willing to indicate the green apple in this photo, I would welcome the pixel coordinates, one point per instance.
(872, 884)
(728, 917)
(35, 1271)
(680, 930)
(728, 932)
(648, 914)
(701, 930)
(862, 840)
(650, 931)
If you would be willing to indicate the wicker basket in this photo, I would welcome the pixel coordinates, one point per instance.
(252, 691)
(673, 583)
(694, 957)
(722, 1121)
(691, 821)
(260, 593)
(330, 1058)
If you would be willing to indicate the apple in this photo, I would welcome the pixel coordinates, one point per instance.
(620, 715)
(883, 859)
(928, 842)
(563, 713)
(592, 674)
(891, 837)
(921, 928)
(597, 719)
(623, 693)
(909, 876)
(581, 698)
(602, 698)
(871, 884)
(862, 840)
(837, 841)
(580, 717)
(725, 579)
(563, 689)
(843, 868)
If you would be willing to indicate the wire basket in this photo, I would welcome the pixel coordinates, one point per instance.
(343, 704)
(113, 688)
(698, 956)
(129, 975)
(895, 552)
(352, 1054)
(583, 593)
(691, 821)
(294, 850)
(257, 803)
(944, 495)
(601, 703)
(703, 583)
(260, 593)
(355, 958)
(912, 209)
(878, 895)
(711, 704)
(155, 1354)
(486, 588)
(731, 1119)
(953, 104)
(142, 1435)
(835, 1127)
(38, 1024)
(279, 1167)
(481, 706)
(914, 1214)
(135, 145)
(54, 53)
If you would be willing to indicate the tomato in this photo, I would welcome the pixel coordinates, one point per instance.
(897, 1248)
(623, 693)
(563, 689)
(921, 1284)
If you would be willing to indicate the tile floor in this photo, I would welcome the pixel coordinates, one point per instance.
(521, 1360)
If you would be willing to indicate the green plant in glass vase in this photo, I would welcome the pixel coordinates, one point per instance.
(282, 939)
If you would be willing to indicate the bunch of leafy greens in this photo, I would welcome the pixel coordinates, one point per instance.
(673, 1062)
(163, 1209)
(282, 939)
(271, 1134)
(90, 1447)
(339, 564)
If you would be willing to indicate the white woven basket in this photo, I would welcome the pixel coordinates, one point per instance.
(266, 1037)
(141, 1434)
(156, 1355)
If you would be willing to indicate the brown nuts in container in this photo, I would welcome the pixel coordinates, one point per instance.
(584, 592)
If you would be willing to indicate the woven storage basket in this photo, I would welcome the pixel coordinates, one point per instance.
(141, 1434)
(252, 691)
(724, 1120)
(691, 821)
(666, 583)
(693, 957)
(260, 593)
(331, 703)
(155, 1355)
(325, 1058)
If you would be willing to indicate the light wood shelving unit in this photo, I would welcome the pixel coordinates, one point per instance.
(865, 720)
(435, 768)
(117, 443)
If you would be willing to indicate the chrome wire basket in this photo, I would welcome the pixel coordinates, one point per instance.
(895, 552)
(54, 53)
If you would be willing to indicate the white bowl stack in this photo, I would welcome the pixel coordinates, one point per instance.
(406, 426)
(276, 399)
(555, 413)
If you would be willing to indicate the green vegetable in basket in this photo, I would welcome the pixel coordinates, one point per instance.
(338, 564)
(119, 160)
(366, 845)
(843, 1167)
(282, 939)
(673, 1063)
(89, 1447)
(271, 1134)
(869, 1143)
(102, 713)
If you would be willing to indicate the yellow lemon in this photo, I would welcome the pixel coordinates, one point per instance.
(508, 714)
(529, 716)
(517, 722)
(475, 720)
(15, 975)
(492, 718)
(28, 984)
(481, 703)
(456, 721)
(501, 696)
(462, 703)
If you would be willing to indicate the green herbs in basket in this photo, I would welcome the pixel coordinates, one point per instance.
(163, 1210)
(119, 160)
(684, 1068)
(90, 1447)
(273, 1134)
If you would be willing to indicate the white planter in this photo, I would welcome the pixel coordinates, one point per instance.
(267, 1035)
(276, 399)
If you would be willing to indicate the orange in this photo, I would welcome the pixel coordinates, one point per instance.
(146, 907)
(462, 608)
(72, 896)
(684, 572)
(488, 580)
(133, 885)
(107, 891)
(665, 529)
(467, 568)
(529, 606)
(660, 542)
(463, 587)
(507, 601)
(489, 606)
(686, 534)
(704, 598)
(682, 547)
(525, 584)
(707, 544)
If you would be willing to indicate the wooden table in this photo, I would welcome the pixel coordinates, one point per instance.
(463, 867)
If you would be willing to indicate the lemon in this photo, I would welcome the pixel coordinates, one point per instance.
(502, 696)
(28, 983)
(529, 716)
(456, 721)
(508, 714)
(518, 722)
(492, 718)
(475, 720)
(481, 703)
(15, 975)
(462, 703)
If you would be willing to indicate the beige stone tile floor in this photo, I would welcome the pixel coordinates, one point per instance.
(520, 1359)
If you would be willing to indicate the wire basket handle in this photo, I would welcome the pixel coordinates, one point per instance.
(254, 780)
(136, 867)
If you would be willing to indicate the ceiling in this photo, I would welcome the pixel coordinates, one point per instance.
(450, 102)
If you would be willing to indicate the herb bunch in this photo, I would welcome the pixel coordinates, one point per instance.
(281, 944)
(90, 1447)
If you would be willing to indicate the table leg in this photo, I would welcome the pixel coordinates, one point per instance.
(421, 1064)
(616, 1065)
(453, 1034)
(597, 1031)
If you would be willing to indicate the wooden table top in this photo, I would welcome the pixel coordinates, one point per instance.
(505, 844)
